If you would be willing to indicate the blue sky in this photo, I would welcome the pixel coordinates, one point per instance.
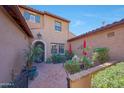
(85, 18)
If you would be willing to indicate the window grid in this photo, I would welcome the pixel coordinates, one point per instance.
(58, 26)
(54, 49)
(61, 48)
(31, 17)
(57, 48)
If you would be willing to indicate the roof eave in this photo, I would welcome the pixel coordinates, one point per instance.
(97, 30)
(55, 16)
(43, 13)
(15, 13)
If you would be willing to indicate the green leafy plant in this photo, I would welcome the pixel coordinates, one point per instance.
(58, 58)
(68, 55)
(32, 54)
(112, 77)
(100, 55)
(86, 62)
(72, 66)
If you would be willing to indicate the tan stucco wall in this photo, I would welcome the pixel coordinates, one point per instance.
(12, 43)
(83, 82)
(100, 39)
(46, 28)
(71, 35)
(31, 24)
(52, 36)
(84, 78)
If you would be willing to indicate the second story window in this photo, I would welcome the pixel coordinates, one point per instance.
(31, 17)
(37, 19)
(58, 26)
(26, 15)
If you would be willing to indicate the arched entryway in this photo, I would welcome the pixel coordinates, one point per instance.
(42, 55)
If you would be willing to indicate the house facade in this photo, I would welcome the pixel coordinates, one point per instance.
(110, 36)
(49, 30)
(22, 26)
(14, 38)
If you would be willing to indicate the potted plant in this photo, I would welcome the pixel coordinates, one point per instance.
(31, 55)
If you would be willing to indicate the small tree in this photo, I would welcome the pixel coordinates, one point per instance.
(32, 54)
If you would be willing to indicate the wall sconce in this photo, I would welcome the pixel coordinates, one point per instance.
(39, 36)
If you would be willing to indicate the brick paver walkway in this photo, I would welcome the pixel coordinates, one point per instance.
(50, 76)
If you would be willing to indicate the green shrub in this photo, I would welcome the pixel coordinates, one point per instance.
(72, 67)
(100, 55)
(86, 61)
(68, 55)
(58, 58)
(112, 77)
(32, 54)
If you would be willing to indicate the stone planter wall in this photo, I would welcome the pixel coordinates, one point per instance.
(83, 78)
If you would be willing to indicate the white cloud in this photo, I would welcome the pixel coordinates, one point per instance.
(77, 23)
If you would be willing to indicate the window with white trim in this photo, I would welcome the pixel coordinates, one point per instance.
(57, 48)
(53, 49)
(31, 17)
(61, 49)
(58, 26)
(37, 19)
(26, 15)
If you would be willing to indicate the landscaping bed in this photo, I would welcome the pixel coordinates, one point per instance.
(112, 77)
(81, 70)
(83, 78)
(75, 65)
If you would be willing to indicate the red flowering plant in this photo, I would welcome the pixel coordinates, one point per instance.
(86, 62)
(70, 48)
(69, 53)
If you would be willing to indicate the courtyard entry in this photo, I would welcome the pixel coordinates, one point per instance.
(49, 76)
(41, 56)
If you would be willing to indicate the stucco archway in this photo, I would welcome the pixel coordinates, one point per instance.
(40, 42)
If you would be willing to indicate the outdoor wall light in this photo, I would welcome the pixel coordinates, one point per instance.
(39, 36)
